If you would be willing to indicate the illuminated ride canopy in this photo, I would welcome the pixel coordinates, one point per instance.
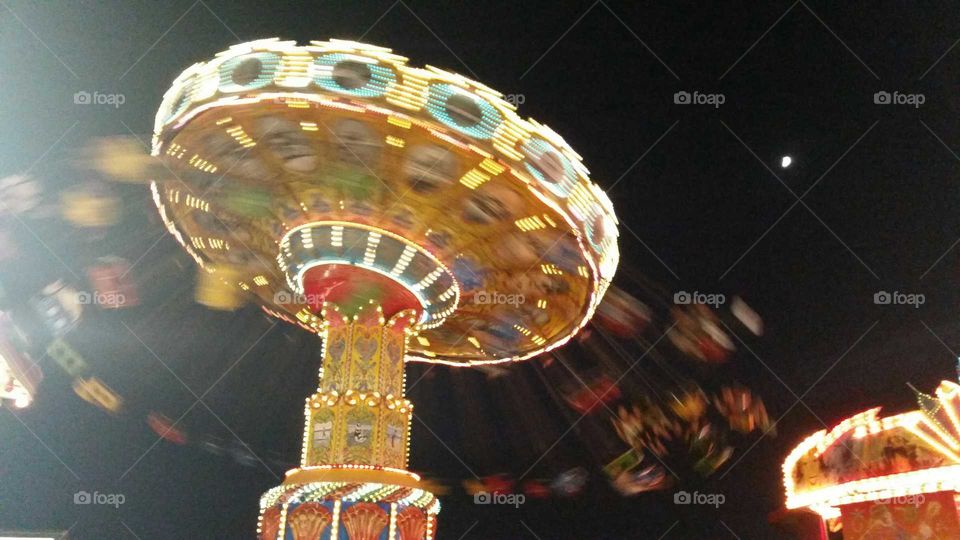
(400, 213)
(898, 472)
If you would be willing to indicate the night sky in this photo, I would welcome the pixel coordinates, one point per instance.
(869, 204)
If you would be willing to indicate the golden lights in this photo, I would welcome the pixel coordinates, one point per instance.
(295, 74)
(922, 428)
(292, 75)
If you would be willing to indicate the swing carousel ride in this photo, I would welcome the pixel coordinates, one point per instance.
(398, 214)
(394, 211)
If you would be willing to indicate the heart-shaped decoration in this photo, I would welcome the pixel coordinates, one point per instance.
(366, 347)
(335, 349)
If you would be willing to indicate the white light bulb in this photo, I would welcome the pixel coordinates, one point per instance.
(785, 161)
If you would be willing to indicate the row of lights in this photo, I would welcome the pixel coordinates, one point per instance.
(363, 492)
(432, 317)
(352, 397)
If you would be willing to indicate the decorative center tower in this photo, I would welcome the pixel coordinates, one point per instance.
(399, 213)
(352, 473)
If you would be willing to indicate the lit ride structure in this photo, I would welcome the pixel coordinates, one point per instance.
(884, 477)
(401, 214)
